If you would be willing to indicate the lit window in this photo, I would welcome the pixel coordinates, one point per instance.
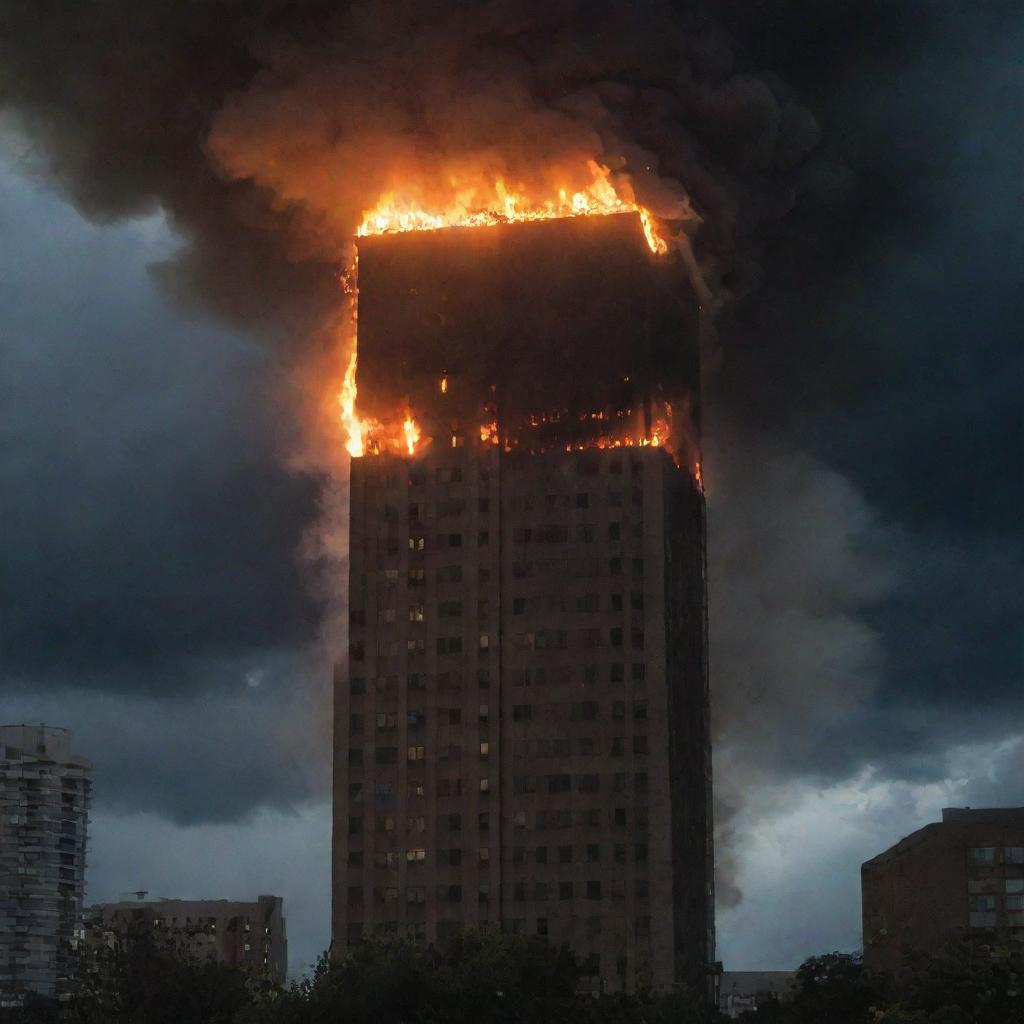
(484, 642)
(485, 785)
(415, 855)
(1014, 854)
(982, 855)
(484, 854)
(485, 748)
(519, 819)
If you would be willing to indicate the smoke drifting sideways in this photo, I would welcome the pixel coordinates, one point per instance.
(265, 130)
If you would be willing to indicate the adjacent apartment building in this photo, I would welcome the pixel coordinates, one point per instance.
(45, 791)
(249, 934)
(521, 730)
(964, 872)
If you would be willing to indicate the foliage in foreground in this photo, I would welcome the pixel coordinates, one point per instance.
(499, 979)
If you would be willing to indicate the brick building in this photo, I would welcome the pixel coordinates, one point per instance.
(964, 872)
(45, 791)
(239, 933)
(521, 732)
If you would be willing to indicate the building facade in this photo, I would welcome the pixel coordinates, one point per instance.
(965, 872)
(45, 792)
(238, 933)
(522, 733)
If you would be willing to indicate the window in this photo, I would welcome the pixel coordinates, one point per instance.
(519, 819)
(417, 823)
(518, 854)
(485, 642)
(638, 567)
(416, 681)
(594, 817)
(484, 854)
(415, 790)
(485, 785)
(565, 855)
(415, 645)
(415, 719)
(355, 824)
(982, 902)
(449, 645)
(589, 783)
(485, 748)
(452, 857)
(565, 890)
(640, 782)
(618, 710)
(355, 723)
(1015, 902)
(386, 755)
(522, 712)
(619, 817)
(640, 745)
(639, 672)
(519, 892)
(1014, 855)
(415, 894)
(640, 853)
(638, 638)
(454, 822)
(982, 855)
(355, 793)
(415, 753)
(449, 574)
(559, 783)
(449, 609)
(593, 890)
(355, 858)
(593, 853)
(385, 823)
(417, 543)
(615, 636)
(588, 746)
(484, 712)
(540, 855)
(542, 926)
(357, 685)
(416, 855)
(416, 577)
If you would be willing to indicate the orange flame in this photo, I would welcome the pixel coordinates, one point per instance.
(411, 432)
(474, 207)
(353, 426)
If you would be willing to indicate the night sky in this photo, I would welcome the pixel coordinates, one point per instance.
(166, 586)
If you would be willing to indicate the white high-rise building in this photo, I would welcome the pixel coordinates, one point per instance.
(44, 812)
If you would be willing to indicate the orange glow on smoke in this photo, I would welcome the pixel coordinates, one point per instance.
(476, 206)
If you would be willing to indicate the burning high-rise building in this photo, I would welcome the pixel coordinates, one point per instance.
(521, 731)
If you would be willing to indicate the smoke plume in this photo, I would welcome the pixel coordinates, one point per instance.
(265, 130)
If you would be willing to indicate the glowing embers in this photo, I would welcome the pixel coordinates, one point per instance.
(476, 205)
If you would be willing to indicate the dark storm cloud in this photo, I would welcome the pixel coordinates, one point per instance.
(148, 522)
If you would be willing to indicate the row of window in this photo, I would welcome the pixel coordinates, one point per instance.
(617, 746)
(547, 604)
(541, 891)
(564, 568)
(988, 901)
(585, 711)
(996, 855)
(588, 674)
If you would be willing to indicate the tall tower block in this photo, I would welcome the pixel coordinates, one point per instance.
(521, 729)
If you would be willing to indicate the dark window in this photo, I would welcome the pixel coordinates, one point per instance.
(565, 890)
(565, 855)
(618, 710)
(449, 645)
(522, 712)
(357, 684)
(640, 745)
(618, 672)
(615, 531)
(582, 500)
(640, 853)
(355, 824)
(355, 858)
(454, 822)
(619, 816)
(593, 853)
(355, 756)
(589, 783)
(540, 855)
(593, 890)
(638, 638)
(639, 672)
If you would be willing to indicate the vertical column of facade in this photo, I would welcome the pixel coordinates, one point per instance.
(580, 659)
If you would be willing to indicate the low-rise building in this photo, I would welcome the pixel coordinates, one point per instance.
(740, 992)
(240, 934)
(964, 872)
